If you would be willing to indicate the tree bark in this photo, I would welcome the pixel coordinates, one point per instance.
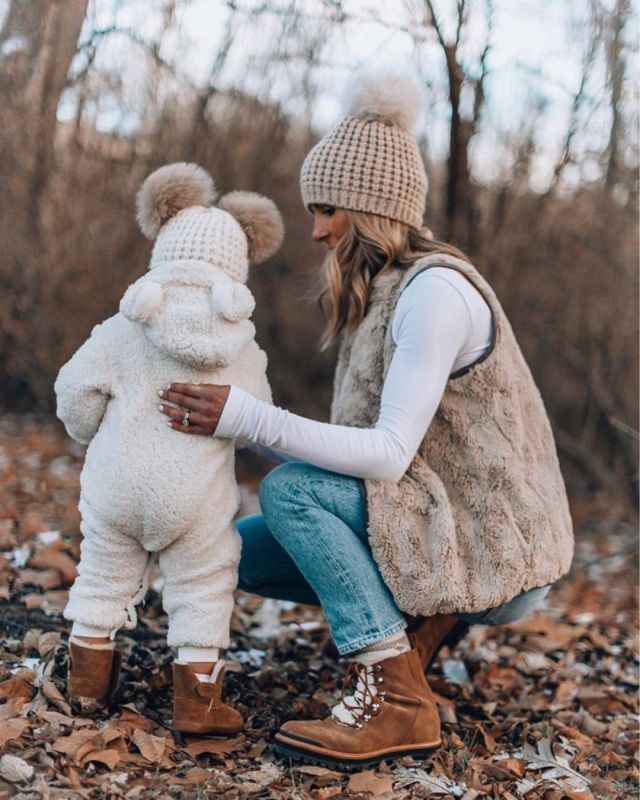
(615, 68)
(61, 28)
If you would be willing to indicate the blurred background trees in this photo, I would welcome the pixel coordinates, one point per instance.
(529, 133)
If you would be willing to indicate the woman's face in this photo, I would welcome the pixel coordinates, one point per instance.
(329, 224)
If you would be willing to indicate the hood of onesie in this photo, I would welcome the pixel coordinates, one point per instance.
(193, 304)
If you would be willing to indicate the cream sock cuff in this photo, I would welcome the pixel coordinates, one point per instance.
(386, 648)
(191, 655)
(80, 629)
(90, 646)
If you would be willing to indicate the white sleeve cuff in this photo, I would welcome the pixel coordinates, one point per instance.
(227, 427)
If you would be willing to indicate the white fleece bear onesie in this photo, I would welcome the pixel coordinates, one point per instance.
(146, 488)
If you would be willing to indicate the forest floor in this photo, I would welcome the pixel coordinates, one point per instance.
(543, 708)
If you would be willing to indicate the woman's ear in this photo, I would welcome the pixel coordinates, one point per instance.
(232, 301)
(260, 219)
(142, 301)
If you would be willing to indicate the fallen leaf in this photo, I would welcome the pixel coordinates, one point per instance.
(264, 776)
(517, 766)
(107, 757)
(73, 742)
(52, 693)
(213, 746)
(317, 771)
(368, 781)
(327, 792)
(455, 671)
(152, 747)
(435, 784)
(14, 769)
(543, 758)
(134, 718)
(51, 556)
(48, 642)
(44, 578)
(64, 719)
(489, 741)
(493, 769)
(12, 729)
(19, 685)
(52, 602)
(588, 724)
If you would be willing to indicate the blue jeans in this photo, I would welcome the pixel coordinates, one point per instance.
(310, 545)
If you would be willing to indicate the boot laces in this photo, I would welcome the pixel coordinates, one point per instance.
(357, 708)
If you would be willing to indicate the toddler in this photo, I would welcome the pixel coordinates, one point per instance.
(146, 489)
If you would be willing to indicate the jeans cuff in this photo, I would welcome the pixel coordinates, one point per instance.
(357, 644)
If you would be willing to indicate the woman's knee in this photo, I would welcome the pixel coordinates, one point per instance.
(283, 483)
(295, 487)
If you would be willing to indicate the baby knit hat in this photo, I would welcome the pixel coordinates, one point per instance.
(175, 206)
(371, 161)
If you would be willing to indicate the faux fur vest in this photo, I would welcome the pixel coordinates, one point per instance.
(481, 514)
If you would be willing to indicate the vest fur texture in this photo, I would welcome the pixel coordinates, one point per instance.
(481, 514)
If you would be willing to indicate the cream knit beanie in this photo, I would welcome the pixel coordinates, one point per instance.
(370, 161)
(175, 206)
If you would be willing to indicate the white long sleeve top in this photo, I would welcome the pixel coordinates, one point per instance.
(441, 323)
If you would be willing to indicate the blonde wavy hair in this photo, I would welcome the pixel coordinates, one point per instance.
(371, 244)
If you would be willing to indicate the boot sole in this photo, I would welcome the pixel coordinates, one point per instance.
(286, 749)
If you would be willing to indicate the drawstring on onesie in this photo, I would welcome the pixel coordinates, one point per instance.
(140, 595)
(80, 629)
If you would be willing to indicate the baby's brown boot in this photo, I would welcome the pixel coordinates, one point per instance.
(198, 706)
(94, 672)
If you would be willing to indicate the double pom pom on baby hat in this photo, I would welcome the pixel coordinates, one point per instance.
(175, 206)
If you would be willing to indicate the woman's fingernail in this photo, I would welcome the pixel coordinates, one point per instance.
(159, 408)
(170, 423)
(160, 392)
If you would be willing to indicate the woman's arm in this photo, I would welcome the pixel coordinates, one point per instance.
(269, 452)
(430, 328)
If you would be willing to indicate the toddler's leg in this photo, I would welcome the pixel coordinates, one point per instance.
(110, 575)
(101, 600)
(200, 571)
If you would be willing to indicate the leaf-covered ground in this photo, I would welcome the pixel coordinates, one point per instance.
(545, 708)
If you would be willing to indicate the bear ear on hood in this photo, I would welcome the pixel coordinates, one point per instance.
(260, 220)
(232, 301)
(142, 301)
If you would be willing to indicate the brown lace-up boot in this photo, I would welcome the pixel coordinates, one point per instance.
(429, 634)
(94, 672)
(198, 706)
(391, 713)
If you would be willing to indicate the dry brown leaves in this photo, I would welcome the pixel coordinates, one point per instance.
(543, 709)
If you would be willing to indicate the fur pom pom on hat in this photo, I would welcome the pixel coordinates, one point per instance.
(260, 220)
(175, 207)
(169, 190)
(371, 162)
(391, 99)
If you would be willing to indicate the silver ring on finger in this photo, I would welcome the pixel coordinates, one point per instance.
(185, 419)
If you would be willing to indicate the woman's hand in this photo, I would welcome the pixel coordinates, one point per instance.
(199, 406)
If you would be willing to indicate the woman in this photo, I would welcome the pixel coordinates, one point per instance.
(434, 498)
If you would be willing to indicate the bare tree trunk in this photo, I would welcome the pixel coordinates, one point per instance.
(615, 68)
(461, 213)
(61, 28)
